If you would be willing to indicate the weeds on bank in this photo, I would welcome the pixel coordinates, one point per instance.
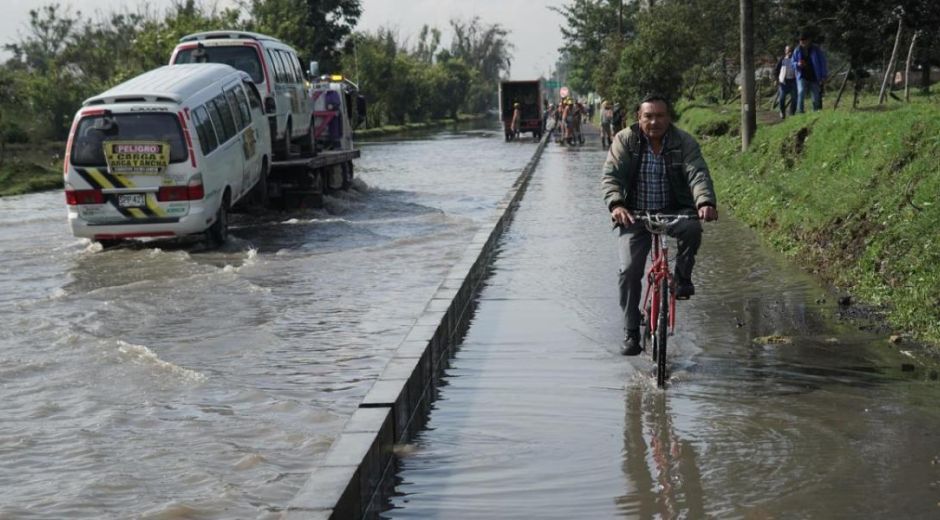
(852, 195)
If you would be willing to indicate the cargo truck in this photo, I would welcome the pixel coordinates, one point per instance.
(528, 94)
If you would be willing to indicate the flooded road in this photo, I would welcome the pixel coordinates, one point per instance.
(170, 381)
(540, 417)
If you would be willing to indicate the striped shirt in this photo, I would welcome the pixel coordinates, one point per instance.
(652, 188)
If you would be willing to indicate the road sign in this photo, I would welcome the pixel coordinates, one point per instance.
(551, 84)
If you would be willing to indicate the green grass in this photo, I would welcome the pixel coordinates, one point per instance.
(28, 168)
(853, 195)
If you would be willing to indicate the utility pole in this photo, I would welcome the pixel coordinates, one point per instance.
(620, 21)
(748, 96)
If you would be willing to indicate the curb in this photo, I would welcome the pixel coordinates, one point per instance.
(353, 478)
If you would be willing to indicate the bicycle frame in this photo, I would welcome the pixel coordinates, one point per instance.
(659, 270)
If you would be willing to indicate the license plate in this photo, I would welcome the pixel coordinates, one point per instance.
(131, 200)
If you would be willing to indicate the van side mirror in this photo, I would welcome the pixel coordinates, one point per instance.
(270, 105)
(314, 70)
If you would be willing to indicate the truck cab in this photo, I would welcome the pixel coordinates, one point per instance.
(338, 109)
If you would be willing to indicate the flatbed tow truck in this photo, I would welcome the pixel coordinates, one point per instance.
(301, 180)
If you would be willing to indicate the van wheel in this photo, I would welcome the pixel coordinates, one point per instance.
(218, 231)
(259, 194)
(308, 145)
(283, 146)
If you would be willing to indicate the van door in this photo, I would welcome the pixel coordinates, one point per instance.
(249, 133)
(228, 167)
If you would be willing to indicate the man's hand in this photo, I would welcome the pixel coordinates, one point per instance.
(621, 216)
(708, 213)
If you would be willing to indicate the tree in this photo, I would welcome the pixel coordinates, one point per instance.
(316, 28)
(594, 32)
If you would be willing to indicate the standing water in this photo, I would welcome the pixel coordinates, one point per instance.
(170, 381)
(774, 409)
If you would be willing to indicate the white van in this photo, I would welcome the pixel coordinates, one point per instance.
(273, 66)
(167, 153)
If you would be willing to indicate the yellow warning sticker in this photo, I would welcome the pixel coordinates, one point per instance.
(137, 157)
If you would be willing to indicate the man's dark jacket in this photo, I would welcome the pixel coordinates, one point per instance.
(689, 179)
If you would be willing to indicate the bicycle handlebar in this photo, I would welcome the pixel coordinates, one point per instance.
(659, 222)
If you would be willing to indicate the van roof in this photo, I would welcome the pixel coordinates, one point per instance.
(168, 84)
(235, 35)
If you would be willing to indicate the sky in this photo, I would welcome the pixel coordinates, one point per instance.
(534, 29)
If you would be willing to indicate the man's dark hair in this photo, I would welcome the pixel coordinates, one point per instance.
(649, 98)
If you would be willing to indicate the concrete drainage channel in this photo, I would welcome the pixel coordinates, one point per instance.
(355, 475)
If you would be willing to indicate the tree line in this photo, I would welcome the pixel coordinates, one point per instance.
(690, 48)
(65, 57)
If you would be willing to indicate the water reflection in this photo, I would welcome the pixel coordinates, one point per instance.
(661, 466)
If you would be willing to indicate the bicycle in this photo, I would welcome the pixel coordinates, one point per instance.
(659, 300)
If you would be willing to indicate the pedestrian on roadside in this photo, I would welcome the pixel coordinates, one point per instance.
(607, 119)
(516, 119)
(546, 115)
(568, 116)
(617, 122)
(811, 72)
(655, 167)
(785, 73)
(579, 114)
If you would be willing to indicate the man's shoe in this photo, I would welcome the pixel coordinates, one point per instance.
(631, 344)
(684, 290)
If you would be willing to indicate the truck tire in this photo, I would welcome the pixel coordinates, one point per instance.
(347, 175)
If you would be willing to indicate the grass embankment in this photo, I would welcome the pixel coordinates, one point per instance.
(850, 195)
(26, 168)
(425, 125)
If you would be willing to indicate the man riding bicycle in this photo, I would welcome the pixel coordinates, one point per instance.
(652, 166)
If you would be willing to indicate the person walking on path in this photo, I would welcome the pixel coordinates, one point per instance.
(811, 72)
(516, 119)
(607, 119)
(785, 73)
(617, 119)
(652, 166)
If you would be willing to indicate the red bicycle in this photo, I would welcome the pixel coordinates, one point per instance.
(659, 300)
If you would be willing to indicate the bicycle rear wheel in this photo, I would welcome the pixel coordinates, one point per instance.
(662, 333)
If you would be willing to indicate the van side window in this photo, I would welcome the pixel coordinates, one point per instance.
(298, 68)
(240, 120)
(228, 122)
(278, 66)
(243, 104)
(207, 139)
(254, 98)
(216, 121)
(291, 66)
(285, 57)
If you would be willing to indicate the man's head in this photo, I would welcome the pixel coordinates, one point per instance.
(654, 115)
(805, 39)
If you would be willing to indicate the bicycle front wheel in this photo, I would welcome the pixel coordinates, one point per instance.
(662, 332)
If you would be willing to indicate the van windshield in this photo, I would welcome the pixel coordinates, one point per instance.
(92, 132)
(242, 57)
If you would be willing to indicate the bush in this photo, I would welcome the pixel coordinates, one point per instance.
(12, 133)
